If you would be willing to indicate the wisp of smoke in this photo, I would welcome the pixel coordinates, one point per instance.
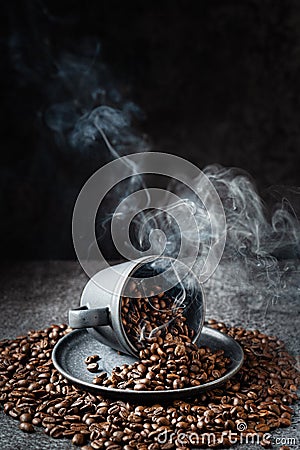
(92, 104)
(254, 241)
(95, 116)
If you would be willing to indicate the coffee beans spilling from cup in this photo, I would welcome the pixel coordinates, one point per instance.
(255, 401)
(168, 364)
(167, 359)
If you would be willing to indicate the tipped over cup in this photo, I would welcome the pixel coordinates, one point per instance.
(126, 305)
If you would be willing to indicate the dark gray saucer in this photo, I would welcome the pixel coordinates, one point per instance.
(70, 352)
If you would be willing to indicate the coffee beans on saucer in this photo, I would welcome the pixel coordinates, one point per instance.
(169, 363)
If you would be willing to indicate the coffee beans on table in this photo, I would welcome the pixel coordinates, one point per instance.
(257, 400)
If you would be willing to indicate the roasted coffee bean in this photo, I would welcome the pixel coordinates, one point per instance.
(284, 422)
(140, 387)
(26, 417)
(36, 421)
(92, 359)
(97, 444)
(93, 367)
(78, 439)
(57, 432)
(27, 427)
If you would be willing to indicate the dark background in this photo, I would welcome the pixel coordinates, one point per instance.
(217, 82)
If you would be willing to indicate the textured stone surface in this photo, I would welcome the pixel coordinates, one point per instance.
(37, 294)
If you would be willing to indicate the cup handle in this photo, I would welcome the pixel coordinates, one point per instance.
(88, 318)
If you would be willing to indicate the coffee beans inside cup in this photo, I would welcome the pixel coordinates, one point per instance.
(146, 318)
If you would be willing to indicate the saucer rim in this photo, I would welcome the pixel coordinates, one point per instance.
(191, 391)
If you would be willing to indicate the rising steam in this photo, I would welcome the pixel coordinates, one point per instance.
(257, 241)
(96, 116)
(92, 104)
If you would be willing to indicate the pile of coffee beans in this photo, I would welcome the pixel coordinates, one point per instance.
(169, 363)
(143, 317)
(255, 401)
